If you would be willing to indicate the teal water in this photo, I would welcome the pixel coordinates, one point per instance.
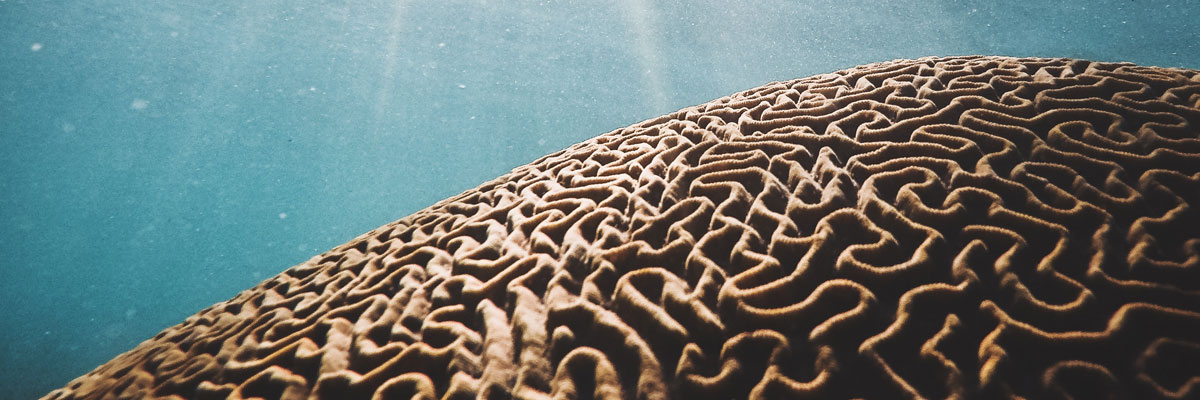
(158, 158)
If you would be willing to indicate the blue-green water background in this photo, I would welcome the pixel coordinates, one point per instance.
(158, 157)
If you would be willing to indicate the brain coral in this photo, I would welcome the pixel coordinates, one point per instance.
(941, 227)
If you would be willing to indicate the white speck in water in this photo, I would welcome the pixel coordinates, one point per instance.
(35, 46)
(174, 34)
(139, 104)
(68, 127)
(282, 215)
(462, 86)
(312, 88)
(441, 44)
(472, 117)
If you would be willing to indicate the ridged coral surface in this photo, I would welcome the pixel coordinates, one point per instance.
(943, 227)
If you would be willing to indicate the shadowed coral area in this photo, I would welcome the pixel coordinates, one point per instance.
(969, 227)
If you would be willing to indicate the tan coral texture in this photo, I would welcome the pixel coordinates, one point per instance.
(971, 227)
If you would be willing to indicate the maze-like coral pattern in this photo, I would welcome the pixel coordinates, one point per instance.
(975, 227)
